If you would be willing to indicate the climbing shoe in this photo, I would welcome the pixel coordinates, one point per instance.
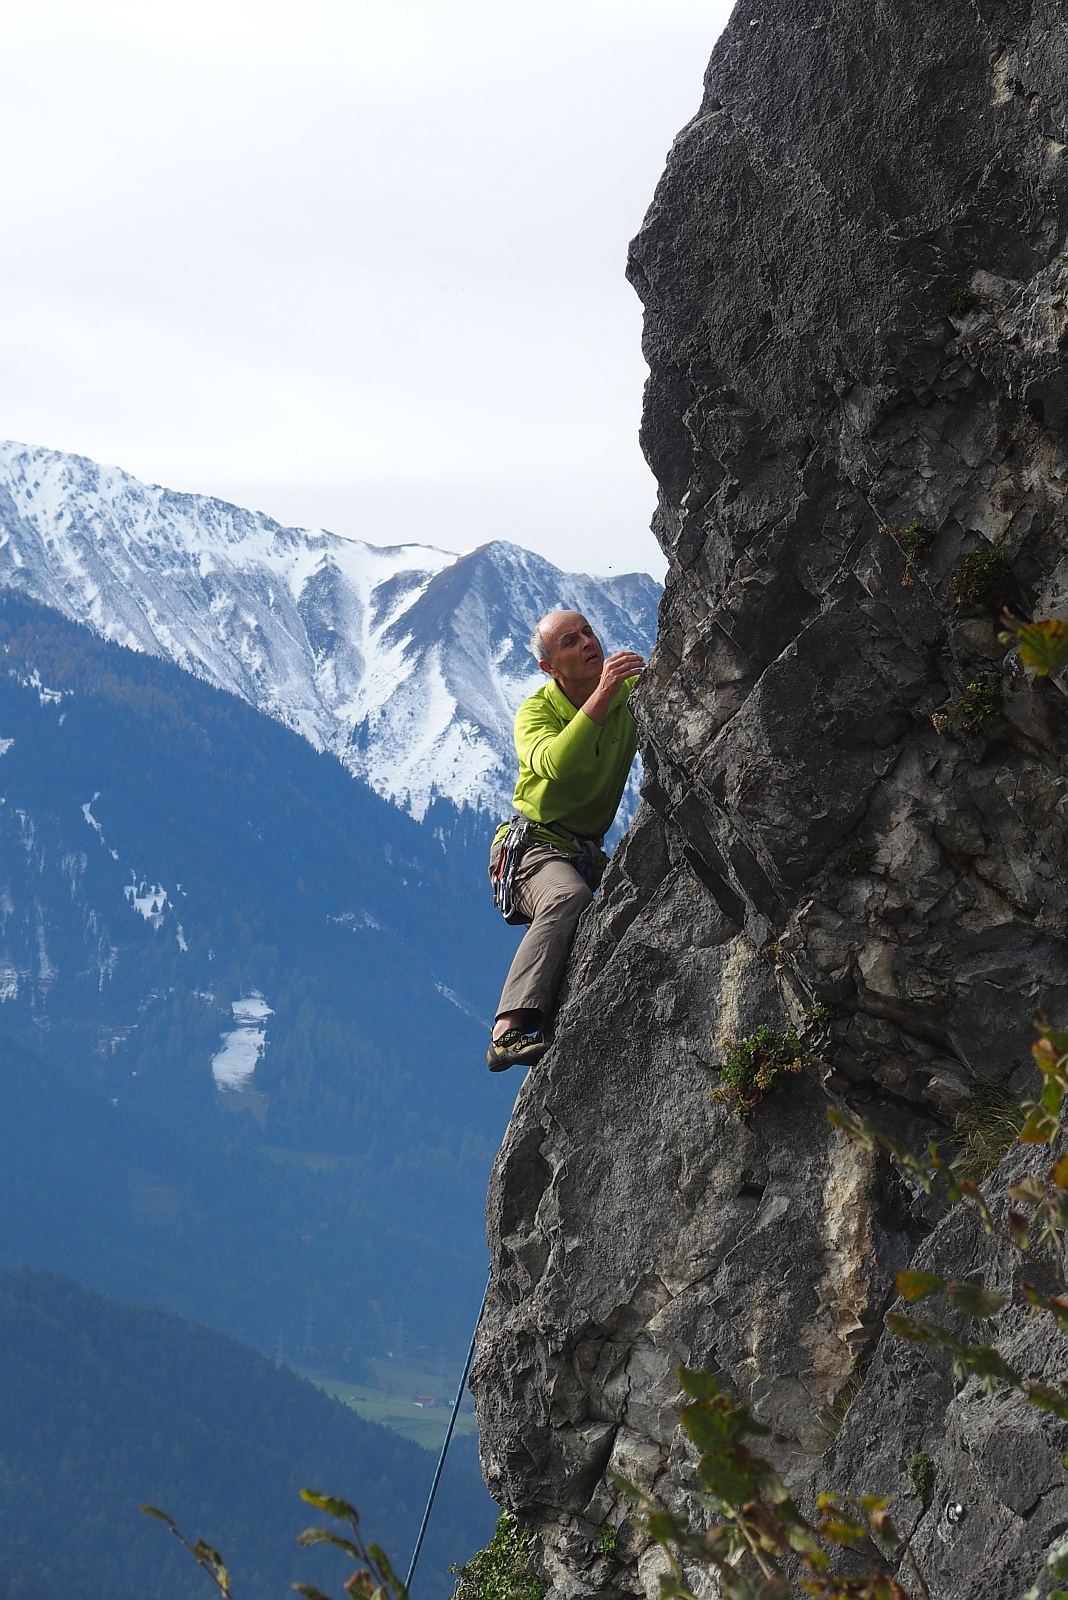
(516, 1048)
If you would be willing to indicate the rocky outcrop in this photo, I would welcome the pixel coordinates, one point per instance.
(856, 299)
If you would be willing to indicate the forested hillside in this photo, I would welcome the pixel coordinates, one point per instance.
(165, 851)
(104, 1406)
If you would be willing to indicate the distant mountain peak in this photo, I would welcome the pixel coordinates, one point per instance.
(406, 661)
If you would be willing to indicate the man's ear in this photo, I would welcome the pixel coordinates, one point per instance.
(546, 666)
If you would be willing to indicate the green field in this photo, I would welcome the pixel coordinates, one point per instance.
(413, 1399)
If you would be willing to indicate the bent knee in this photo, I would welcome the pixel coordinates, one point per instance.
(573, 899)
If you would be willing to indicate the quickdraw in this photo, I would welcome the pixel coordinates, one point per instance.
(509, 855)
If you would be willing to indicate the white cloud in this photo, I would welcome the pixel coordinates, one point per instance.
(343, 252)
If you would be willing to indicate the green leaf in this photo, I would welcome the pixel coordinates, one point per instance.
(1052, 1095)
(332, 1507)
(883, 1529)
(361, 1584)
(1057, 1305)
(1040, 1127)
(976, 1301)
(1051, 1049)
(204, 1552)
(672, 1589)
(774, 1490)
(711, 1428)
(856, 1128)
(1019, 1230)
(324, 1536)
(915, 1285)
(841, 1528)
(1058, 1173)
(382, 1562)
(1044, 645)
(726, 1479)
(697, 1383)
(920, 1332)
(309, 1591)
(1029, 1191)
(982, 1361)
(800, 1538)
(972, 1192)
(663, 1527)
(154, 1511)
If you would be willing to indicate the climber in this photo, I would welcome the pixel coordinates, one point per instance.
(575, 738)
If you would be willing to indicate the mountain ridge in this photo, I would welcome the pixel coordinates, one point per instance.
(407, 662)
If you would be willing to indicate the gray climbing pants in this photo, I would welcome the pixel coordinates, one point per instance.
(552, 896)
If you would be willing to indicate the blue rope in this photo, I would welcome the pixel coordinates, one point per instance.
(448, 1440)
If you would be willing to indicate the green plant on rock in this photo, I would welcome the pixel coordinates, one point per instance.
(857, 859)
(502, 1570)
(916, 541)
(987, 1127)
(978, 701)
(981, 578)
(922, 1477)
(607, 1539)
(758, 1065)
(831, 1417)
(962, 301)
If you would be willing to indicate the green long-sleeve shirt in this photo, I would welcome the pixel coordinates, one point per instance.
(570, 770)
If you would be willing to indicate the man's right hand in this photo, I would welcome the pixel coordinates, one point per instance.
(615, 672)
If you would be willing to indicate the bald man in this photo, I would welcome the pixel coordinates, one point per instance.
(576, 740)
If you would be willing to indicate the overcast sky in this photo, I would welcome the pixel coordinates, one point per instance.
(352, 262)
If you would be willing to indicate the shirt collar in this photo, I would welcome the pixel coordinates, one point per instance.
(559, 700)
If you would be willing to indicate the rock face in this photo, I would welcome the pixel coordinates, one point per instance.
(999, 1492)
(856, 302)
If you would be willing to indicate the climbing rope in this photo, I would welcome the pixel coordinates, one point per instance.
(448, 1440)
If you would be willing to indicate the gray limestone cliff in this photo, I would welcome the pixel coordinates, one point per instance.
(855, 282)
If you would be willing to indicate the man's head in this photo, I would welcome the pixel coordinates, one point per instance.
(567, 647)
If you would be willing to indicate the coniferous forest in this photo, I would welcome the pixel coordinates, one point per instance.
(104, 1406)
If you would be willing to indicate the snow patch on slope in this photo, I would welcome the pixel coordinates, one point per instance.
(233, 1066)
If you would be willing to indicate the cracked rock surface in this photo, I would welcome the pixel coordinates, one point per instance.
(855, 279)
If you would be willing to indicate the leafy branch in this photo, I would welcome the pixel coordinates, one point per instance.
(372, 1579)
(1042, 645)
(756, 1526)
(202, 1553)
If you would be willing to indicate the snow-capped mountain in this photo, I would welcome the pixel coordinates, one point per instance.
(406, 661)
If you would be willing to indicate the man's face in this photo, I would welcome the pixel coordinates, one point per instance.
(574, 650)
